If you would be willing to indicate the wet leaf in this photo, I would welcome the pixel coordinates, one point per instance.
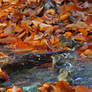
(14, 89)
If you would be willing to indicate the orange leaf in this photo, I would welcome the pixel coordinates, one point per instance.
(88, 53)
(3, 74)
(83, 31)
(21, 45)
(89, 20)
(14, 89)
(82, 89)
(64, 87)
(68, 34)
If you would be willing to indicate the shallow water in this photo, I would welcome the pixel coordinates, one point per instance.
(81, 73)
(31, 74)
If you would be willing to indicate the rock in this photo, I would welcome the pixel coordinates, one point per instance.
(64, 75)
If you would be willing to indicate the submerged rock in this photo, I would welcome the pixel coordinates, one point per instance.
(64, 75)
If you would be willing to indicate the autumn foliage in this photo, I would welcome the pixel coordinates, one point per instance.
(60, 86)
(14, 89)
(36, 25)
(3, 75)
(63, 86)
